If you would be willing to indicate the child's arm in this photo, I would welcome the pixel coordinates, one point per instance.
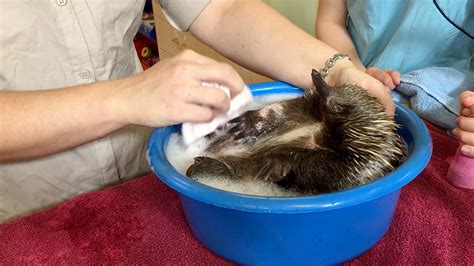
(331, 29)
(465, 129)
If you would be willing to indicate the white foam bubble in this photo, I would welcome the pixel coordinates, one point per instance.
(255, 187)
(263, 100)
(182, 156)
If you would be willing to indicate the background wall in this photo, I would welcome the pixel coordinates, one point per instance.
(300, 12)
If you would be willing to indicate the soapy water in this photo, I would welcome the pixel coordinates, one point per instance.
(181, 157)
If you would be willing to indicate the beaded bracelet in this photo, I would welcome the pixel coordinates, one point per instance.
(331, 62)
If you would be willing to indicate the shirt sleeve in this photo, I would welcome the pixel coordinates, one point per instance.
(182, 13)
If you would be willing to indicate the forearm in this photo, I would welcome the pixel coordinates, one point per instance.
(39, 123)
(269, 43)
(339, 38)
(331, 28)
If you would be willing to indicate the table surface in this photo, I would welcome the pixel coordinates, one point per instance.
(141, 222)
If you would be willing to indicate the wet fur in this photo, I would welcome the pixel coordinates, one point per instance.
(331, 138)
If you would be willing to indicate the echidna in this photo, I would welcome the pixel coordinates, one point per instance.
(331, 138)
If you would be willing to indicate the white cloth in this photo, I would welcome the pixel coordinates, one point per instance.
(47, 44)
(193, 131)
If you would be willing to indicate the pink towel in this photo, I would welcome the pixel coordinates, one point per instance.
(461, 171)
(141, 222)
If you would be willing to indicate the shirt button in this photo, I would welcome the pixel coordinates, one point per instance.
(61, 2)
(85, 74)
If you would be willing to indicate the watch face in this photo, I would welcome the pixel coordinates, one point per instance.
(459, 13)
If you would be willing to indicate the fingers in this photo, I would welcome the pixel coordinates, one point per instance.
(465, 133)
(207, 69)
(171, 92)
(467, 141)
(386, 101)
(466, 99)
(467, 150)
(468, 111)
(383, 96)
(395, 76)
(180, 112)
(220, 73)
(177, 112)
(205, 96)
(352, 75)
(465, 130)
(195, 113)
(466, 94)
(382, 76)
(466, 123)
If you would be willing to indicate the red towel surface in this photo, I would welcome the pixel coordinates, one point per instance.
(141, 222)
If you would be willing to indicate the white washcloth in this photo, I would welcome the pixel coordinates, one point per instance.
(193, 131)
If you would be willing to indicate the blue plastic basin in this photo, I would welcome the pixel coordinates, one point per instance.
(310, 230)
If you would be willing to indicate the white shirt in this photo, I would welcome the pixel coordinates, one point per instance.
(49, 44)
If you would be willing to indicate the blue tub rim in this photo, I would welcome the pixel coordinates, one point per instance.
(394, 181)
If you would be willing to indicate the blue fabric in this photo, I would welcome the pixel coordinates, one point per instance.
(434, 92)
(406, 35)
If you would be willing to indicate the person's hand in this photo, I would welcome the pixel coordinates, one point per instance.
(352, 75)
(171, 92)
(465, 123)
(389, 78)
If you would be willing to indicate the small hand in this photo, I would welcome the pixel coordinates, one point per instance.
(171, 92)
(389, 78)
(465, 123)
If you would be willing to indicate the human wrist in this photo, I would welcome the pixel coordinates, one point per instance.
(335, 66)
(359, 65)
(115, 101)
